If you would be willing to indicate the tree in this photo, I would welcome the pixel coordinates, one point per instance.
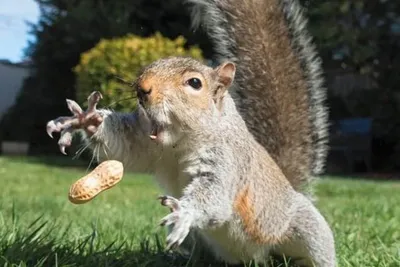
(66, 29)
(363, 36)
(104, 67)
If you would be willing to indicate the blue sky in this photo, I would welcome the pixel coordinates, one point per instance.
(13, 29)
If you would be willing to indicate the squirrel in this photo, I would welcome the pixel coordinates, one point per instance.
(234, 146)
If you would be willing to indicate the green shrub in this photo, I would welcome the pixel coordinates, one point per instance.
(123, 57)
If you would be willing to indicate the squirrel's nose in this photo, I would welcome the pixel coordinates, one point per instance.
(143, 95)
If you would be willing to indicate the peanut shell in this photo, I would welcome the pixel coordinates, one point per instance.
(106, 175)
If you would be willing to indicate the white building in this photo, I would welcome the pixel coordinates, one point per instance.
(12, 76)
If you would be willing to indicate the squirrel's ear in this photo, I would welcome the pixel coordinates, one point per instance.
(226, 73)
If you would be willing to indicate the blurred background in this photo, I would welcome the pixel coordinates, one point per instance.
(51, 50)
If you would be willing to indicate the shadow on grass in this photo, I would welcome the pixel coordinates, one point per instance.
(35, 248)
(51, 254)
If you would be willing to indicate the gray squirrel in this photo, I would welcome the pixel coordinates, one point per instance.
(236, 146)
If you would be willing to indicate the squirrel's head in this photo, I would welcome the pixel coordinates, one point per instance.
(181, 95)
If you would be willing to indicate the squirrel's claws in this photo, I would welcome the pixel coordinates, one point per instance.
(65, 139)
(93, 100)
(67, 124)
(170, 202)
(50, 128)
(172, 246)
(59, 124)
(62, 149)
(181, 221)
(74, 107)
(95, 96)
(168, 220)
(180, 218)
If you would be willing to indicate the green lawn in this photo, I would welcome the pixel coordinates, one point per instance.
(40, 227)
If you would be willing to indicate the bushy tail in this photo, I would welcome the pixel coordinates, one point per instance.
(279, 89)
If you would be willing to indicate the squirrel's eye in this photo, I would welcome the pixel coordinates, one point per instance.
(194, 83)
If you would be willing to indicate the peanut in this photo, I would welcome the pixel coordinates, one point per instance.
(106, 175)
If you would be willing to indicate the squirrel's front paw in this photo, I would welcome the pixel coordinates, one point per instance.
(181, 219)
(89, 121)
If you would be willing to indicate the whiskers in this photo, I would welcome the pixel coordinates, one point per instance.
(95, 153)
(125, 82)
(165, 108)
(80, 151)
(120, 100)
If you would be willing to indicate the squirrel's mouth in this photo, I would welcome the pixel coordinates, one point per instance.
(158, 123)
(156, 130)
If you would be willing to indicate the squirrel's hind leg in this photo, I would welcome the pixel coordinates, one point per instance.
(311, 241)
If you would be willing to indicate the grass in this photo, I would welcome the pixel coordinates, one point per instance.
(40, 227)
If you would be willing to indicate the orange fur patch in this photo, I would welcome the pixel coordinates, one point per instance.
(244, 207)
(148, 83)
(158, 82)
(153, 83)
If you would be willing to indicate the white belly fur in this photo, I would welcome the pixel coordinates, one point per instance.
(228, 242)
